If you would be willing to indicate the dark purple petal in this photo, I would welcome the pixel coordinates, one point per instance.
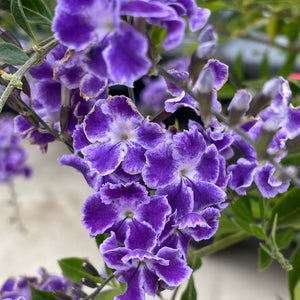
(72, 30)
(126, 56)
(199, 19)
(241, 175)
(97, 216)
(183, 100)
(180, 198)
(267, 184)
(292, 125)
(153, 9)
(105, 158)
(150, 134)
(160, 169)
(206, 194)
(150, 282)
(140, 235)
(42, 72)
(79, 139)
(75, 6)
(188, 145)
(173, 89)
(97, 124)
(155, 212)
(127, 195)
(176, 272)
(91, 86)
(134, 159)
(208, 167)
(220, 71)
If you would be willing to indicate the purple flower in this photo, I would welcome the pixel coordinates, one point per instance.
(12, 154)
(142, 270)
(118, 135)
(14, 289)
(187, 171)
(126, 209)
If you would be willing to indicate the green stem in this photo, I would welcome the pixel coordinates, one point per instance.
(161, 71)
(219, 245)
(17, 77)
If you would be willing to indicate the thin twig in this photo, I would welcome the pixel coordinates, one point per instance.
(14, 201)
(17, 77)
(98, 290)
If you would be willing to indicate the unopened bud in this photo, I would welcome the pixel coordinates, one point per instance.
(89, 282)
(208, 39)
(265, 137)
(238, 106)
(287, 173)
(203, 89)
(60, 295)
(293, 145)
(89, 268)
(264, 97)
(65, 108)
(78, 292)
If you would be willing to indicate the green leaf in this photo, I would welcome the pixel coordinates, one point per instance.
(264, 67)
(284, 238)
(226, 227)
(72, 269)
(100, 238)
(242, 209)
(289, 65)
(11, 54)
(195, 263)
(109, 295)
(41, 295)
(158, 34)
(264, 259)
(258, 232)
(20, 18)
(272, 27)
(294, 275)
(190, 292)
(288, 209)
(37, 11)
(238, 67)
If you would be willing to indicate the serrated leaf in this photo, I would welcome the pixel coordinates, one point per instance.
(41, 295)
(264, 259)
(20, 18)
(258, 232)
(37, 11)
(72, 269)
(11, 54)
(294, 275)
(190, 292)
(287, 208)
(284, 238)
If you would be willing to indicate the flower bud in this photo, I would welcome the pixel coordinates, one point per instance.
(89, 268)
(238, 106)
(78, 292)
(89, 282)
(61, 295)
(65, 108)
(265, 137)
(203, 89)
(264, 97)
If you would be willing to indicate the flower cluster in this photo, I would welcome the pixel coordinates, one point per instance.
(14, 289)
(12, 154)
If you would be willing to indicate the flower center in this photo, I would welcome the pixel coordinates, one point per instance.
(129, 214)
